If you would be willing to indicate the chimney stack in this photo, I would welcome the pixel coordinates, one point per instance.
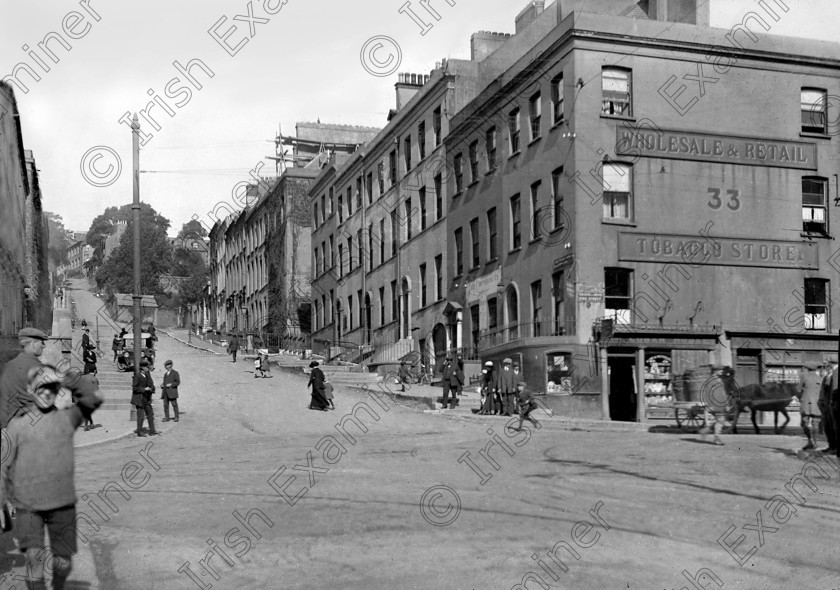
(407, 86)
(529, 14)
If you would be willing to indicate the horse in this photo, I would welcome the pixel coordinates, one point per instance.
(766, 397)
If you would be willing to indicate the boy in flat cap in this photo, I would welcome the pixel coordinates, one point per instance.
(36, 475)
(14, 380)
(526, 405)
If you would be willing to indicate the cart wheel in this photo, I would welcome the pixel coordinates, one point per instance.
(688, 418)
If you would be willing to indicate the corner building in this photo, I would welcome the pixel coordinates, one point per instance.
(640, 194)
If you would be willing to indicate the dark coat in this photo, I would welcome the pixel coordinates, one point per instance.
(139, 395)
(234, 345)
(173, 379)
(505, 381)
(316, 380)
(89, 356)
(456, 375)
(117, 344)
(85, 340)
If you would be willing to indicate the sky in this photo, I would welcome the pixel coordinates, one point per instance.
(301, 63)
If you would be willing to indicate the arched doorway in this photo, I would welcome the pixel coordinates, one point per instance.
(439, 345)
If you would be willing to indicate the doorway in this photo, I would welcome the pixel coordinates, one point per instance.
(621, 375)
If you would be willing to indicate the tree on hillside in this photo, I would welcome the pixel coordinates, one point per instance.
(192, 229)
(117, 272)
(105, 224)
(59, 238)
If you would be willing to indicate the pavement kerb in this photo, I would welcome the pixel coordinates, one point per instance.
(190, 344)
(569, 422)
(105, 440)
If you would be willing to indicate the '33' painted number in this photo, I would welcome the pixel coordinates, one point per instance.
(734, 202)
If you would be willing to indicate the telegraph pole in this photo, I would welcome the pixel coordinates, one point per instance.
(135, 210)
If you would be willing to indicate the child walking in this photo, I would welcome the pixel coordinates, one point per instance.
(36, 475)
(526, 406)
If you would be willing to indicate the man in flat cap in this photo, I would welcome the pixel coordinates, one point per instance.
(142, 389)
(171, 381)
(505, 387)
(14, 380)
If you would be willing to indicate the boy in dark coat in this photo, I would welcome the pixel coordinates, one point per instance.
(36, 475)
(526, 405)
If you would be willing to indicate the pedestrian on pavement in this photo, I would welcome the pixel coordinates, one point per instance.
(84, 323)
(261, 365)
(116, 346)
(171, 381)
(328, 393)
(86, 340)
(89, 358)
(404, 373)
(526, 405)
(233, 347)
(15, 378)
(447, 383)
(150, 341)
(488, 382)
(506, 387)
(91, 381)
(123, 332)
(36, 475)
(456, 380)
(824, 405)
(517, 377)
(811, 380)
(316, 382)
(142, 389)
(459, 379)
(719, 402)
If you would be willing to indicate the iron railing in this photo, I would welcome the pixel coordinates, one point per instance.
(538, 328)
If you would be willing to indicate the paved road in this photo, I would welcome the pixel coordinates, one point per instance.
(656, 504)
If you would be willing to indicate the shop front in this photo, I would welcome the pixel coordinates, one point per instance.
(642, 365)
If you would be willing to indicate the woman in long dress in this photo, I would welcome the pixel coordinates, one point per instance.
(316, 381)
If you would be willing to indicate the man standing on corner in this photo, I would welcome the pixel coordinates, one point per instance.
(14, 380)
(171, 381)
(506, 386)
(517, 377)
(142, 389)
